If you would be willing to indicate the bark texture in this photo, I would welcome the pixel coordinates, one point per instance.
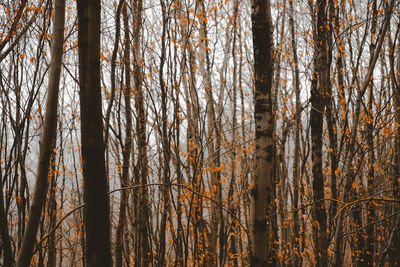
(262, 207)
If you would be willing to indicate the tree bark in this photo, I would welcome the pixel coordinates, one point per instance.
(368, 251)
(262, 207)
(393, 252)
(319, 88)
(144, 253)
(297, 259)
(5, 237)
(119, 237)
(165, 139)
(97, 209)
(232, 247)
(52, 212)
(48, 139)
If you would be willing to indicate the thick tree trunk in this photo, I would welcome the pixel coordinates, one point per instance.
(48, 139)
(262, 208)
(97, 209)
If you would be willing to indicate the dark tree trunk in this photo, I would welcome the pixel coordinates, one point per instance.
(5, 237)
(319, 88)
(297, 259)
(262, 208)
(394, 251)
(97, 209)
(368, 251)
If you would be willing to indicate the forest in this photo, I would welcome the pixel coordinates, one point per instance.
(199, 133)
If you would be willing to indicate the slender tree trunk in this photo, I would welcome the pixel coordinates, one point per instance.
(192, 110)
(213, 134)
(331, 122)
(144, 253)
(279, 160)
(368, 253)
(52, 211)
(262, 208)
(48, 138)
(244, 168)
(119, 237)
(97, 209)
(180, 239)
(62, 190)
(337, 257)
(393, 252)
(112, 78)
(297, 259)
(164, 139)
(232, 252)
(5, 237)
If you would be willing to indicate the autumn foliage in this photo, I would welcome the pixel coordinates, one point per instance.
(200, 133)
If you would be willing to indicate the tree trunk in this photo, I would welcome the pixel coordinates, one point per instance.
(394, 253)
(319, 87)
(119, 237)
(144, 253)
(52, 212)
(232, 247)
(5, 237)
(212, 135)
(297, 259)
(112, 78)
(262, 208)
(337, 257)
(164, 139)
(97, 209)
(368, 251)
(48, 138)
